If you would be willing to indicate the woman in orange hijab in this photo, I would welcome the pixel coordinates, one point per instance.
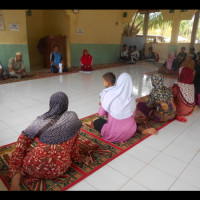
(86, 61)
(188, 62)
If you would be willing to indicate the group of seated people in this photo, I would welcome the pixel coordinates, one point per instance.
(16, 67)
(57, 130)
(132, 55)
(172, 63)
(56, 58)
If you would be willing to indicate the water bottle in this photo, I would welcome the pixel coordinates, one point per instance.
(60, 67)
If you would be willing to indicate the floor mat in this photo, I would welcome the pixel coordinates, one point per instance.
(99, 151)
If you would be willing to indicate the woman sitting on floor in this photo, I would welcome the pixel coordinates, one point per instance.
(160, 106)
(167, 67)
(178, 60)
(184, 92)
(120, 106)
(188, 62)
(86, 61)
(57, 132)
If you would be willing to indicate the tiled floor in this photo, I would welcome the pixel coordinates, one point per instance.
(168, 161)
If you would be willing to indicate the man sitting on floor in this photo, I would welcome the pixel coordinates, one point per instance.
(56, 58)
(16, 66)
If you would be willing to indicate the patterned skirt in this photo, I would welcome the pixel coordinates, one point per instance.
(42, 161)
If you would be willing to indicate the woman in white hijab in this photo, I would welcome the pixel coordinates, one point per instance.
(120, 106)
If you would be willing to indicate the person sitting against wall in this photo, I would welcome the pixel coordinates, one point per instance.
(56, 58)
(180, 58)
(130, 51)
(142, 54)
(193, 54)
(135, 54)
(167, 66)
(86, 61)
(124, 53)
(152, 55)
(16, 66)
(3, 74)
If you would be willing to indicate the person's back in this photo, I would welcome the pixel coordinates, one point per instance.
(56, 132)
(120, 107)
(184, 92)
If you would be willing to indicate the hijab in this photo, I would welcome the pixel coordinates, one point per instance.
(170, 61)
(185, 86)
(119, 101)
(188, 62)
(159, 91)
(64, 129)
(86, 59)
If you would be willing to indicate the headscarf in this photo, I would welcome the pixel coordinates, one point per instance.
(64, 129)
(119, 102)
(86, 59)
(159, 92)
(185, 86)
(188, 62)
(170, 61)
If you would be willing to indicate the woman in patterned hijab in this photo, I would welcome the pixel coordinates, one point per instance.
(57, 145)
(159, 106)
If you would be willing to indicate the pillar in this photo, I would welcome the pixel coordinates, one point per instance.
(175, 31)
(146, 24)
(194, 28)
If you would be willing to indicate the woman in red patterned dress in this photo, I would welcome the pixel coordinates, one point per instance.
(57, 134)
(184, 92)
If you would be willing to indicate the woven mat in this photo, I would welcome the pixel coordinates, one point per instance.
(102, 153)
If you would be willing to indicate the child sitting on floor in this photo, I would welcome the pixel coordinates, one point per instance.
(109, 80)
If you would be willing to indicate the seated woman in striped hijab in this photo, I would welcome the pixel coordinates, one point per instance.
(57, 134)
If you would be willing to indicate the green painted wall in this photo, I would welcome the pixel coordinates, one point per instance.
(101, 53)
(9, 50)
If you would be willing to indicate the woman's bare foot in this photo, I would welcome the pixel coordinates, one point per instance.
(195, 107)
(15, 187)
(15, 182)
(151, 131)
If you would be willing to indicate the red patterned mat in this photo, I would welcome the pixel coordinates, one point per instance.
(99, 152)
(46, 73)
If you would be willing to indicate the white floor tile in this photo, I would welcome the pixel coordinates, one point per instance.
(82, 186)
(191, 175)
(181, 185)
(133, 186)
(196, 160)
(154, 179)
(106, 178)
(127, 165)
(180, 152)
(168, 164)
(143, 152)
